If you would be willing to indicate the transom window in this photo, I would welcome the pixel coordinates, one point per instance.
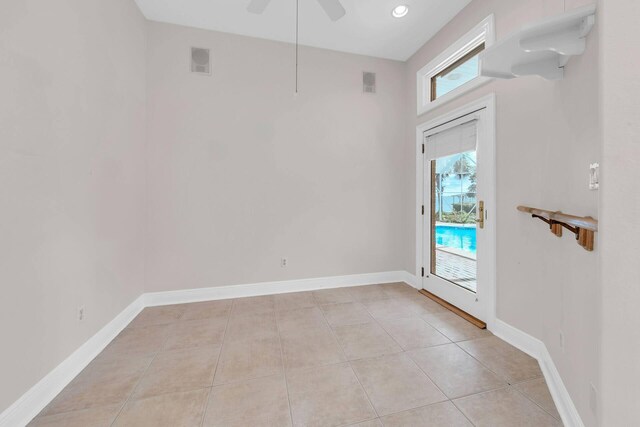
(456, 70)
(457, 74)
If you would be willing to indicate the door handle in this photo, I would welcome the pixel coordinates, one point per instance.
(480, 219)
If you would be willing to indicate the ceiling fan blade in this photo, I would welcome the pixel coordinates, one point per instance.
(258, 6)
(333, 8)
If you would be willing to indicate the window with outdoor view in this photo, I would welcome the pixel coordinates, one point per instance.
(456, 70)
(455, 75)
(453, 216)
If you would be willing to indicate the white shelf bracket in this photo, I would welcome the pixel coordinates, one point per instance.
(541, 49)
(549, 70)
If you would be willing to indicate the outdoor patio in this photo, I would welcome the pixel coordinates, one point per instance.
(456, 268)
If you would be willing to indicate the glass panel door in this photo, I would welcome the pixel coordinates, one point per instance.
(453, 219)
(458, 230)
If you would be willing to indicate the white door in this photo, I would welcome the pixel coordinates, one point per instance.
(458, 227)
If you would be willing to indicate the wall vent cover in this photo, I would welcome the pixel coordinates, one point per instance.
(368, 82)
(200, 61)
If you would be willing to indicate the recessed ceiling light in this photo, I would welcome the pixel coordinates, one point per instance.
(400, 11)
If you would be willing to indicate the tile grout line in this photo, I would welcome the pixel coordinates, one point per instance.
(93, 360)
(375, 321)
(502, 377)
(479, 392)
(420, 407)
(403, 317)
(426, 323)
(526, 396)
(449, 399)
(382, 327)
(510, 384)
(507, 387)
(505, 378)
(146, 369)
(284, 367)
(427, 375)
(205, 405)
(414, 362)
(335, 337)
(240, 380)
(215, 371)
(432, 380)
(419, 315)
(159, 394)
(411, 315)
(462, 412)
(438, 329)
(360, 422)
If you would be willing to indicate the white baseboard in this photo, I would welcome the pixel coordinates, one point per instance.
(270, 288)
(412, 280)
(34, 400)
(39, 396)
(536, 349)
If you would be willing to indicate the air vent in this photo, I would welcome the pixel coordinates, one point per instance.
(200, 61)
(368, 82)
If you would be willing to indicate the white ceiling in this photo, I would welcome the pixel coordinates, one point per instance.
(367, 29)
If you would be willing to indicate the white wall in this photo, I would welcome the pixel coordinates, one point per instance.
(241, 172)
(72, 114)
(547, 134)
(620, 205)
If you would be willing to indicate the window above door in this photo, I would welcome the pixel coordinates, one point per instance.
(456, 70)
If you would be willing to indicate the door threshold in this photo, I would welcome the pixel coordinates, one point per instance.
(466, 316)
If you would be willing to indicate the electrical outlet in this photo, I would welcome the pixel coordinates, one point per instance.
(81, 313)
(284, 262)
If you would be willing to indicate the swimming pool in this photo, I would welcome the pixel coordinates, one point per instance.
(457, 237)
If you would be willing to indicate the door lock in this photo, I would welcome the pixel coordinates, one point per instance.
(480, 219)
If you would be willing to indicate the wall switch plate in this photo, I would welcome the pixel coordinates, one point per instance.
(562, 341)
(594, 176)
(81, 313)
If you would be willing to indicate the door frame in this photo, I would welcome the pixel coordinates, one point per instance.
(488, 103)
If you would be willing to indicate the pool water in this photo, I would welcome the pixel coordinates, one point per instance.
(457, 237)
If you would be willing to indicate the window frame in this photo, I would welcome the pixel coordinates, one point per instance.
(481, 33)
(468, 56)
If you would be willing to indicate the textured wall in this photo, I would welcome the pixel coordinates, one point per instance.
(72, 200)
(242, 172)
(620, 204)
(547, 135)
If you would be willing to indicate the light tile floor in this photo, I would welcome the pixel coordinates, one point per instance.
(381, 355)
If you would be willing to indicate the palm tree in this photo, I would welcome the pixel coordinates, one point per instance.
(471, 193)
(466, 166)
(440, 178)
(463, 166)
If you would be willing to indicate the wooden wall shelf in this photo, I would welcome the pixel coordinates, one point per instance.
(584, 227)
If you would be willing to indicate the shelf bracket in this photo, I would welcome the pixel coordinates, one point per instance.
(583, 228)
(550, 69)
(567, 43)
(542, 48)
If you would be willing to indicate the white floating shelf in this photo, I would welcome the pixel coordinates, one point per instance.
(541, 49)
